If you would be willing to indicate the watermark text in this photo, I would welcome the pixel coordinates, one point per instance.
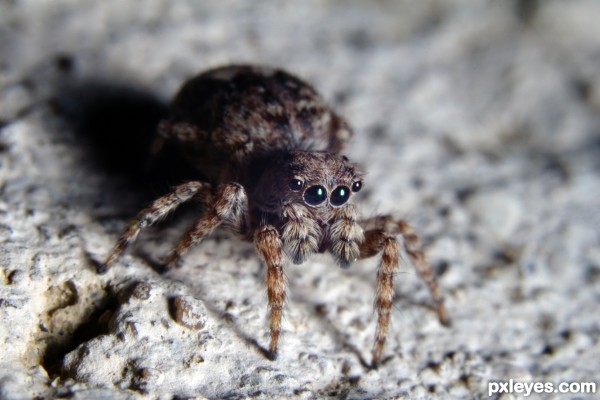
(527, 388)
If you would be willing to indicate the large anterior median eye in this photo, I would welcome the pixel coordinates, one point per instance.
(315, 195)
(339, 196)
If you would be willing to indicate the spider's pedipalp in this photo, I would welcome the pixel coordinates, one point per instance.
(150, 215)
(301, 233)
(345, 236)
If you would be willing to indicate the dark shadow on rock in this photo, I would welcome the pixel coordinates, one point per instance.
(340, 337)
(238, 328)
(116, 123)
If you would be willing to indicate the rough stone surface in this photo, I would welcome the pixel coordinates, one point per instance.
(478, 121)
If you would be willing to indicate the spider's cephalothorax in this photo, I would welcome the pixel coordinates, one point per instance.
(307, 194)
(265, 147)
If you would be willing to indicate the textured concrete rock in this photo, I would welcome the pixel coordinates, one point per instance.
(476, 120)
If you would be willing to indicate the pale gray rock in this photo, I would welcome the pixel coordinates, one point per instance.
(475, 120)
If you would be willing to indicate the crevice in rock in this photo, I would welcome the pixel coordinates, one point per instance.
(63, 336)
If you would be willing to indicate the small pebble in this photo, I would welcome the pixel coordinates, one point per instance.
(189, 312)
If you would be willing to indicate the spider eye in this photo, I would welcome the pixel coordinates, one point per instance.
(356, 186)
(296, 185)
(315, 195)
(340, 195)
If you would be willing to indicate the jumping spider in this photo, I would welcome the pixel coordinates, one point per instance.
(267, 149)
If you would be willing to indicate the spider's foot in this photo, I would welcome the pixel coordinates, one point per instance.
(271, 355)
(374, 365)
(443, 315)
(103, 268)
(172, 262)
(375, 360)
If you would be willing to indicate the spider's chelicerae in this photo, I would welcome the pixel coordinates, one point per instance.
(266, 149)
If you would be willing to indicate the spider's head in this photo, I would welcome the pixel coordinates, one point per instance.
(322, 181)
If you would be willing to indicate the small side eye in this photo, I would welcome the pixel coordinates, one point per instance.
(315, 195)
(339, 196)
(356, 186)
(296, 185)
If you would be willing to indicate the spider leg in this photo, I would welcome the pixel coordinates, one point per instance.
(412, 245)
(381, 238)
(269, 245)
(151, 214)
(230, 205)
(379, 241)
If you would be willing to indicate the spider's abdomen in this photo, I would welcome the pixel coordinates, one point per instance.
(249, 112)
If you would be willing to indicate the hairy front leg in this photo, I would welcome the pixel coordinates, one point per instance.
(230, 205)
(150, 215)
(269, 246)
